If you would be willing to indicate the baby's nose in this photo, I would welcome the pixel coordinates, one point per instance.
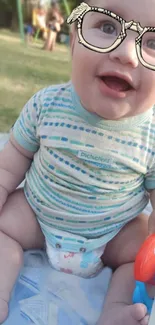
(126, 53)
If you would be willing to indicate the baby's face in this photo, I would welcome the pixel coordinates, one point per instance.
(112, 97)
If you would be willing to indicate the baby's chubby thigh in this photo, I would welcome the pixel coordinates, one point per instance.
(83, 264)
(18, 221)
(124, 247)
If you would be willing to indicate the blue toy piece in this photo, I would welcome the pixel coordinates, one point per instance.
(140, 296)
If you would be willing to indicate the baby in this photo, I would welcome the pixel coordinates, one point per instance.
(87, 152)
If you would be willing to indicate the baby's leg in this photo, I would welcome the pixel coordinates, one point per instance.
(19, 230)
(118, 308)
(124, 247)
(120, 254)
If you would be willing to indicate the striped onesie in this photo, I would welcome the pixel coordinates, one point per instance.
(88, 177)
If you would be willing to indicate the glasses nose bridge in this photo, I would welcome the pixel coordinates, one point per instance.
(134, 27)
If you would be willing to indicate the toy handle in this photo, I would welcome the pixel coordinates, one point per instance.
(144, 267)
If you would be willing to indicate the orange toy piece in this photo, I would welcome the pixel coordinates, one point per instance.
(144, 268)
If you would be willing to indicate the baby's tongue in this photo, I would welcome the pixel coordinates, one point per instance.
(116, 83)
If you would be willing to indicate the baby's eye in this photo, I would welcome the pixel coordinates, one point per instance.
(148, 41)
(151, 44)
(109, 28)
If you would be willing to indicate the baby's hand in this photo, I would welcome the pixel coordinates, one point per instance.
(3, 196)
(151, 224)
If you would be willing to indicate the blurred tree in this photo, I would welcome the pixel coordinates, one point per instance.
(9, 10)
(9, 4)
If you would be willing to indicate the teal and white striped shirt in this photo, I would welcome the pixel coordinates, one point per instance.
(89, 176)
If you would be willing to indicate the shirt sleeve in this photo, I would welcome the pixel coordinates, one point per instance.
(25, 128)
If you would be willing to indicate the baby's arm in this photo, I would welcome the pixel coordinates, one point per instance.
(14, 163)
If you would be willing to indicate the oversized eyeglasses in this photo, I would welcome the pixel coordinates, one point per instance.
(102, 31)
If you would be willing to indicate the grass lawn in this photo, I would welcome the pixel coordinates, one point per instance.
(23, 71)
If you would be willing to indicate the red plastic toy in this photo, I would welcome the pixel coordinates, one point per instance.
(144, 267)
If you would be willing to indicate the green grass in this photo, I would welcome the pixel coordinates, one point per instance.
(23, 71)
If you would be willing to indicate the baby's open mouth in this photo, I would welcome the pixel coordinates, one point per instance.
(116, 83)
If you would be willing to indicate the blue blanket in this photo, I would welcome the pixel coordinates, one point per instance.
(43, 296)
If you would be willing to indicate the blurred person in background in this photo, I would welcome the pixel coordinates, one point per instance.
(54, 22)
